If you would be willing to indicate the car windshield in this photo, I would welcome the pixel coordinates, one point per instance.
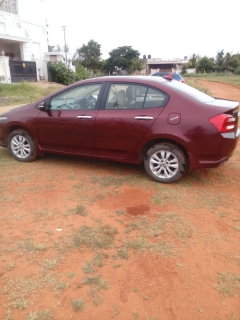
(196, 94)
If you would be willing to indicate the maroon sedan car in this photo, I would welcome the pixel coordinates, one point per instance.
(168, 126)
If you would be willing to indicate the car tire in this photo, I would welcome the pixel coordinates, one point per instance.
(165, 162)
(21, 145)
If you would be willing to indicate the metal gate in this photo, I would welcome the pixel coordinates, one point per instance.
(23, 70)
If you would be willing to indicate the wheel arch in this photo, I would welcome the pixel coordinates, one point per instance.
(15, 127)
(151, 143)
(12, 128)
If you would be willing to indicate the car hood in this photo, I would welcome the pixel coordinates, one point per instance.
(18, 110)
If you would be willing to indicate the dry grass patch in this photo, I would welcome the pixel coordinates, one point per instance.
(101, 237)
(29, 246)
(41, 315)
(228, 284)
(78, 304)
(97, 285)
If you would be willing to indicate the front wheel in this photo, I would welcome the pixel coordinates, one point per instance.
(22, 146)
(165, 163)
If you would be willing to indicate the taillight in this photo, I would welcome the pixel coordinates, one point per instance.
(224, 122)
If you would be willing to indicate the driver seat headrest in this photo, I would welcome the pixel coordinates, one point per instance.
(130, 93)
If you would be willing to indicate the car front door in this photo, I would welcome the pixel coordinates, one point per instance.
(128, 112)
(68, 124)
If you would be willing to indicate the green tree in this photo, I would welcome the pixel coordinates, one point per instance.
(205, 64)
(136, 65)
(231, 62)
(237, 70)
(82, 73)
(219, 61)
(50, 48)
(122, 58)
(184, 68)
(192, 63)
(89, 56)
(236, 61)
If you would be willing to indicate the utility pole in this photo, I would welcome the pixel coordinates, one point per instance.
(65, 46)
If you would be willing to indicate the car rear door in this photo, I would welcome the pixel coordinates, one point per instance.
(122, 122)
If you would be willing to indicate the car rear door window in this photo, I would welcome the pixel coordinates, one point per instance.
(132, 96)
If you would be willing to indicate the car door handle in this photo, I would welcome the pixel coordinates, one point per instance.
(143, 118)
(84, 117)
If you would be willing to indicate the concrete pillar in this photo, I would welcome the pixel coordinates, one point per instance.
(5, 76)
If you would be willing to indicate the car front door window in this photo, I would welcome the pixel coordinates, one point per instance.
(77, 98)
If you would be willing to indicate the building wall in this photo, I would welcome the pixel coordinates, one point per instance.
(27, 31)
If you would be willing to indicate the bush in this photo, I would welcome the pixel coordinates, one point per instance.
(237, 70)
(60, 73)
(82, 73)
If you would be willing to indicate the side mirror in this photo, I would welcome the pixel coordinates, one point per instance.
(42, 106)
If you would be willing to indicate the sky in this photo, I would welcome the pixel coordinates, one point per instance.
(163, 29)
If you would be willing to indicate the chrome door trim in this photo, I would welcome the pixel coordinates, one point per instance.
(84, 117)
(144, 118)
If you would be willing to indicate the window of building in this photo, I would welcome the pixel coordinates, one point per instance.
(8, 5)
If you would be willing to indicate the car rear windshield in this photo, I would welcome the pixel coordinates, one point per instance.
(196, 94)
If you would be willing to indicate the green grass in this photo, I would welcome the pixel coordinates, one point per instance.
(193, 83)
(219, 77)
(21, 93)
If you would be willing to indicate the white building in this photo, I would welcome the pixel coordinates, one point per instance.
(23, 37)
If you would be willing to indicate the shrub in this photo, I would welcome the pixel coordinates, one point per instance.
(60, 73)
(237, 70)
(82, 73)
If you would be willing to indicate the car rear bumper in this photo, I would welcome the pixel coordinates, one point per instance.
(216, 153)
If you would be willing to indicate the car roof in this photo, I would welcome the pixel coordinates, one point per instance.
(135, 79)
(159, 72)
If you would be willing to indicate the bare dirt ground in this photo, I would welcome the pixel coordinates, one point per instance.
(84, 239)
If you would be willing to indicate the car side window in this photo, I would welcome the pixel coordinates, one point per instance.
(155, 99)
(83, 97)
(125, 96)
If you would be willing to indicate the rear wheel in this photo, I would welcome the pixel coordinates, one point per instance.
(165, 163)
(22, 146)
